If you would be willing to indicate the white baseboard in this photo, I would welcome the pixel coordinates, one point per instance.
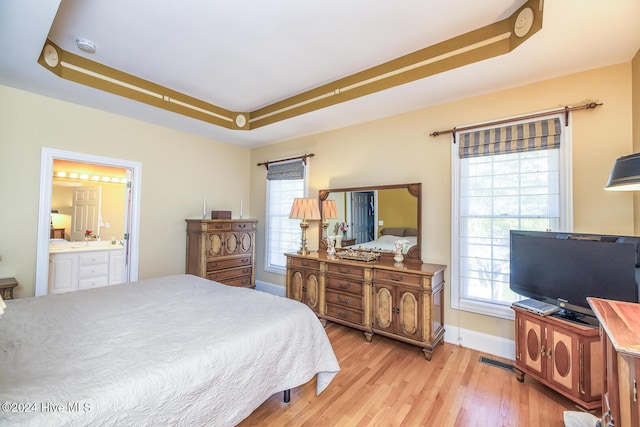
(270, 288)
(491, 344)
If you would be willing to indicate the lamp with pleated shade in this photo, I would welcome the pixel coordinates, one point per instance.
(329, 211)
(306, 210)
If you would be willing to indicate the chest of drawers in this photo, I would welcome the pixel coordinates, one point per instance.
(222, 250)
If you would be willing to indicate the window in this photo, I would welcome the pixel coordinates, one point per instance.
(285, 182)
(514, 177)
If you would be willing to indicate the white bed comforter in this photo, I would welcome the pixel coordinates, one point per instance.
(177, 350)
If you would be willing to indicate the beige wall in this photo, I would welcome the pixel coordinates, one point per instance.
(399, 150)
(178, 170)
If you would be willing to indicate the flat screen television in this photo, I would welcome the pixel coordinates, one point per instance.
(565, 268)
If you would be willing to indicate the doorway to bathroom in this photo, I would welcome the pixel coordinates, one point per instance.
(49, 215)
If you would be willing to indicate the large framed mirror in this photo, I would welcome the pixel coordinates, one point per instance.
(375, 218)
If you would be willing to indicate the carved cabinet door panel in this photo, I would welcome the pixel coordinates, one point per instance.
(214, 244)
(561, 369)
(312, 291)
(409, 313)
(533, 353)
(383, 309)
(295, 290)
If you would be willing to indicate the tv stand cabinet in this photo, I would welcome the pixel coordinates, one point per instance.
(565, 356)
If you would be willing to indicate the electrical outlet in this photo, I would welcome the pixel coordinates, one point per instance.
(380, 223)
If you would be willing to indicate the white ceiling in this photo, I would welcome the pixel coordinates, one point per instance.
(242, 55)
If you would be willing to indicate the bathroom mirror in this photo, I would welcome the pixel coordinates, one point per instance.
(376, 217)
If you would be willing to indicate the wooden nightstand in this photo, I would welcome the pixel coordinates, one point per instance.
(6, 287)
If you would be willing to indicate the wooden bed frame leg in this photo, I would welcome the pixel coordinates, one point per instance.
(287, 396)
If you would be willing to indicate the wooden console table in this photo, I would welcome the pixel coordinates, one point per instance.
(620, 334)
(399, 301)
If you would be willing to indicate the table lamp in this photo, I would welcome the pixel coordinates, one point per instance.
(304, 209)
(329, 211)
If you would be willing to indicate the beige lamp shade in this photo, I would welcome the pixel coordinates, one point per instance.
(305, 209)
(329, 210)
(2, 306)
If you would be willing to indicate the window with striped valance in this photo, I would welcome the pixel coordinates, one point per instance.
(517, 138)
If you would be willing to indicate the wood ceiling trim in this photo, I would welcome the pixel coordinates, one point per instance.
(492, 40)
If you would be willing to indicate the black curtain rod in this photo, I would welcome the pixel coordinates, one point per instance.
(303, 157)
(565, 110)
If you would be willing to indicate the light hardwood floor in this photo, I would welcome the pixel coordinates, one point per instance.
(389, 383)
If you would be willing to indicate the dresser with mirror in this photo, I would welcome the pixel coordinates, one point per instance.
(400, 300)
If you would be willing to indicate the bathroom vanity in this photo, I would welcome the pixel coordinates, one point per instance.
(84, 265)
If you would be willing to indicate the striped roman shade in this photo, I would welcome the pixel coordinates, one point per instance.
(531, 136)
(286, 170)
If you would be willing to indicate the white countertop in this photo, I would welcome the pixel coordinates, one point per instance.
(62, 246)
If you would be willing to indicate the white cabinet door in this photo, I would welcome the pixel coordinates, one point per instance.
(63, 273)
(116, 267)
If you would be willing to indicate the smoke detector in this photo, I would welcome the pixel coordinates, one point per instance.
(86, 45)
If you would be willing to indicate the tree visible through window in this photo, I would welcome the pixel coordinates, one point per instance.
(507, 179)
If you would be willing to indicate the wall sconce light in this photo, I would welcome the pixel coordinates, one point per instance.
(329, 211)
(304, 209)
(625, 175)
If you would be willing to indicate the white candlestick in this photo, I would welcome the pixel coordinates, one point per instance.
(240, 208)
(204, 207)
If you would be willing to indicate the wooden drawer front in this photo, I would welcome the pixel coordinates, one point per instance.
(345, 269)
(346, 314)
(344, 285)
(218, 226)
(222, 275)
(95, 258)
(243, 282)
(242, 226)
(347, 300)
(93, 270)
(93, 282)
(397, 277)
(305, 263)
(228, 263)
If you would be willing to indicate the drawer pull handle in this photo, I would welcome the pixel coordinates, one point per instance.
(218, 226)
(246, 259)
(305, 264)
(345, 271)
(246, 270)
(346, 300)
(242, 225)
(343, 314)
(345, 286)
(397, 278)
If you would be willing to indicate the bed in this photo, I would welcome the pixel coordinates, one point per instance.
(176, 350)
(388, 238)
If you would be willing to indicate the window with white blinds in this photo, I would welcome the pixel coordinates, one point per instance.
(519, 182)
(285, 182)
